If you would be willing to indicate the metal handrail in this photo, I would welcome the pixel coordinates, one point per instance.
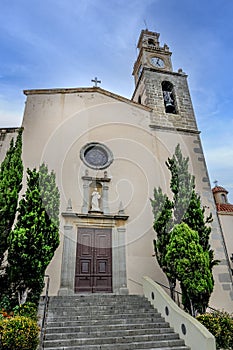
(177, 293)
(43, 324)
(177, 299)
(180, 294)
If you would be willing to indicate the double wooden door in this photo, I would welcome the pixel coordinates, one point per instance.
(93, 261)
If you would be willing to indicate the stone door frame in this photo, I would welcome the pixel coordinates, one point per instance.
(93, 273)
(116, 223)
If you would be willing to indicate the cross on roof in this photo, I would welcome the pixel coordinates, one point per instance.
(96, 81)
(216, 183)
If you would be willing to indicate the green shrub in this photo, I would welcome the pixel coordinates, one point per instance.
(28, 309)
(5, 303)
(19, 333)
(220, 324)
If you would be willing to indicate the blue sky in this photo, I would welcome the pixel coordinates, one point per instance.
(66, 43)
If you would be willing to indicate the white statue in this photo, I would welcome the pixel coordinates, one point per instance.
(95, 200)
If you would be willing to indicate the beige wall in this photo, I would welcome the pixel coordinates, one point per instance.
(57, 126)
(226, 221)
(5, 138)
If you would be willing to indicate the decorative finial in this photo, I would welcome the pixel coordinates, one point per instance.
(216, 183)
(145, 24)
(121, 210)
(96, 81)
(69, 205)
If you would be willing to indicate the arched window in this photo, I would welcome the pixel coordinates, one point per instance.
(169, 97)
(139, 99)
(223, 198)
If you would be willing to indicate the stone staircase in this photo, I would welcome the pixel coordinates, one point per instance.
(107, 321)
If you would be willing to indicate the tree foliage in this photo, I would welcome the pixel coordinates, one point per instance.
(189, 263)
(195, 218)
(184, 207)
(162, 211)
(35, 237)
(11, 173)
(181, 184)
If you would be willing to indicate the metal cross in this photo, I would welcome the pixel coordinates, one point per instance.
(96, 81)
(216, 183)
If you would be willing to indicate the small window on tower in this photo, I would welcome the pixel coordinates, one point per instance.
(151, 42)
(224, 199)
(169, 97)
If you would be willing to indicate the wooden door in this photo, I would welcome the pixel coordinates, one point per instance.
(94, 261)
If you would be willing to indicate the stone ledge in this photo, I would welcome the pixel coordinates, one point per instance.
(95, 216)
(170, 128)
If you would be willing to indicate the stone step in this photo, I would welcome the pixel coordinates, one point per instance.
(99, 311)
(103, 315)
(78, 303)
(154, 327)
(157, 339)
(103, 307)
(99, 315)
(129, 320)
(72, 333)
(157, 321)
(160, 345)
(97, 296)
(134, 346)
(85, 298)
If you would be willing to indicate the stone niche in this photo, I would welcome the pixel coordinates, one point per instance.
(95, 194)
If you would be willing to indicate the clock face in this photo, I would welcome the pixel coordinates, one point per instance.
(157, 62)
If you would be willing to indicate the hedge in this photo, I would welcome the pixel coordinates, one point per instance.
(19, 333)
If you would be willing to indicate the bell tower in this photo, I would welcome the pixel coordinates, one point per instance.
(159, 87)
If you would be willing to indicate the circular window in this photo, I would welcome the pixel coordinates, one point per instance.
(96, 155)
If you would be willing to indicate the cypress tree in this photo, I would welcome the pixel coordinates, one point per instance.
(181, 184)
(162, 210)
(11, 174)
(185, 207)
(189, 263)
(35, 237)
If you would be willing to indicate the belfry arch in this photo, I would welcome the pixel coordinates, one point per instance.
(169, 97)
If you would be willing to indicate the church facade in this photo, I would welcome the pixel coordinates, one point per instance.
(108, 153)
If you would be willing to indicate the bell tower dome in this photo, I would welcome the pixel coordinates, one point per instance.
(159, 87)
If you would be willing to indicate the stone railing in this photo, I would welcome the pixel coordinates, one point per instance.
(195, 335)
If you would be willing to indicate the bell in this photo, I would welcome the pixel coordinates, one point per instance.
(168, 104)
(170, 108)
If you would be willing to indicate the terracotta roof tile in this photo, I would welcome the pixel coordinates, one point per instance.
(225, 207)
(219, 189)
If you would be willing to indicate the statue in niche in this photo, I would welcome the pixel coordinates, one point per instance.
(95, 200)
